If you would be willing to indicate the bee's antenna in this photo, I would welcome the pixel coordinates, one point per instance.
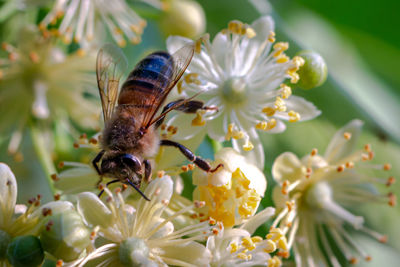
(137, 189)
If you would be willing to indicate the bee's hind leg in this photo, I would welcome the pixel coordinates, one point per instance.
(191, 106)
(201, 163)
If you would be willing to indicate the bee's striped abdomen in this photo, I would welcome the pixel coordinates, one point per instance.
(150, 77)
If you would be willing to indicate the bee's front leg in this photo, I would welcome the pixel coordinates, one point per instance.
(96, 160)
(147, 171)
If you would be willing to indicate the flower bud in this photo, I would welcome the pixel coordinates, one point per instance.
(65, 236)
(5, 239)
(183, 17)
(134, 252)
(25, 251)
(314, 71)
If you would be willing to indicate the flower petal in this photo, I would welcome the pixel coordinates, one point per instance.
(8, 193)
(219, 45)
(306, 109)
(93, 210)
(184, 124)
(254, 222)
(287, 166)
(340, 147)
(77, 179)
(176, 42)
(256, 178)
(191, 253)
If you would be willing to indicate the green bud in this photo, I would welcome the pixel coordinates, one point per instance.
(65, 236)
(183, 17)
(25, 251)
(134, 252)
(314, 71)
(5, 239)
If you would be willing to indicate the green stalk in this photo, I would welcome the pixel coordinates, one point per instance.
(44, 155)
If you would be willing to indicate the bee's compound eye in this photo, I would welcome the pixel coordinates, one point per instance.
(132, 162)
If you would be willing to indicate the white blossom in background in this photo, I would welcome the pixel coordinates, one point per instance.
(242, 72)
(80, 20)
(315, 193)
(38, 81)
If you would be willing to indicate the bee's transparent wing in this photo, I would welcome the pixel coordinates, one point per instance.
(180, 60)
(111, 64)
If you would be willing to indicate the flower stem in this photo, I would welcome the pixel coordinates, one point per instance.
(39, 144)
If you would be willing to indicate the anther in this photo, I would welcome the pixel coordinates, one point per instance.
(340, 168)
(46, 212)
(390, 181)
(347, 135)
(57, 197)
(368, 258)
(353, 260)
(54, 177)
(387, 167)
(61, 164)
(314, 152)
(49, 225)
(349, 164)
(368, 148)
(160, 174)
(59, 263)
(392, 199)
(165, 202)
(199, 204)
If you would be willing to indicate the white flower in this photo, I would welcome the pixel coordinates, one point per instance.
(233, 192)
(18, 220)
(236, 246)
(313, 194)
(242, 72)
(40, 82)
(79, 19)
(143, 235)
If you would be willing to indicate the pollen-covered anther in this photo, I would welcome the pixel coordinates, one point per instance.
(290, 205)
(282, 58)
(347, 135)
(57, 197)
(215, 231)
(280, 104)
(269, 111)
(59, 263)
(234, 247)
(54, 177)
(244, 256)
(76, 145)
(160, 174)
(314, 152)
(34, 57)
(293, 116)
(368, 258)
(349, 165)
(192, 78)
(271, 36)
(285, 186)
(93, 141)
(391, 180)
(353, 260)
(364, 157)
(46, 212)
(237, 27)
(286, 91)
(248, 146)
(274, 262)
(280, 47)
(387, 167)
(199, 204)
(165, 202)
(270, 246)
(199, 120)
(118, 190)
(340, 168)
(184, 168)
(49, 225)
(283, 254)
(367, 147)
(191, 166)
(392, 199)
(262, 125)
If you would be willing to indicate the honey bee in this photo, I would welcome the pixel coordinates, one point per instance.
(130, 137)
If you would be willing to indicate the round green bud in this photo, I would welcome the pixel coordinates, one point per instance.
(65, 236)
(5, 239)
(24, 251)
(314, 71)
(133, 252)
(183, 17)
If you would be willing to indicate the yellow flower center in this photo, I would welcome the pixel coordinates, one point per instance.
(225, 203)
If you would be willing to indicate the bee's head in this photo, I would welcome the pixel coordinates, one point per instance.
(121, 166)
